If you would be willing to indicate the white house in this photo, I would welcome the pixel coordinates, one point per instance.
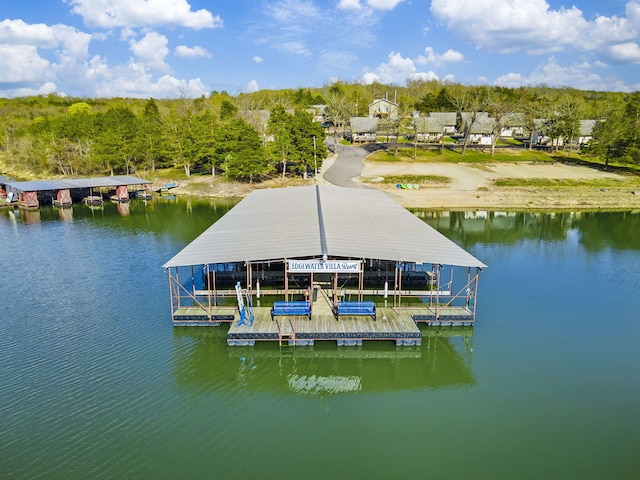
(383, 108)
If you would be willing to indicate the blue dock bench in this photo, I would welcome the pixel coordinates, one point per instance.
(356, 308)
(291, 308)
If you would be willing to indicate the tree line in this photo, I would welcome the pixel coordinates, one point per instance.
(130, 137)
(250, 136)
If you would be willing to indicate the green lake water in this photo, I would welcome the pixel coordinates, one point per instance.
(96, 383)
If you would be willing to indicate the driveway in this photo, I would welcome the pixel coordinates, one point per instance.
(347, 164)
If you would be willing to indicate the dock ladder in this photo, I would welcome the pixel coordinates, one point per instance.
(245, 309)
(287, 336)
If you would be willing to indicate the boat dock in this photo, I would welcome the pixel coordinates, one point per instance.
(391, 324)
(320, 264)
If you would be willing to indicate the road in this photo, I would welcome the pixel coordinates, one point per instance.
(348, 164)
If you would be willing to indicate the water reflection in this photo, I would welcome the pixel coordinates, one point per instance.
(596, 231)
(182, 218)
(203, 362)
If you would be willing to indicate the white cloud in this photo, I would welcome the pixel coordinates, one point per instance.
(192, 52)
(437, 60)
(21, 64)
(44, 89)
(396, 71)
(293, 11)
(133, 80)
(256, 59)
(252, 86)
(152, 50)
(384, 4)
(349, 5)
(579, 75)
(624, 53)
(509, 26)
(139, 13)
(532, 26)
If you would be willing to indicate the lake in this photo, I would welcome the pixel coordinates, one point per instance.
(96, 383)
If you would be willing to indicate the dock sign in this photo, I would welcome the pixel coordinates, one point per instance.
(325, 266)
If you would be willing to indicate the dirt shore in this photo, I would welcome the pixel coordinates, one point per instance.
(472, 186)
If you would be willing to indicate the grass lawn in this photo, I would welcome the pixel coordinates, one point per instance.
(472, 155)
(423, 180)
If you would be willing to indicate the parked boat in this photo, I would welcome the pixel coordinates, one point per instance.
(167, 186)
(92, 200)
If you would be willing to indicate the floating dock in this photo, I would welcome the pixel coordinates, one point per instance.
(391, 324)
(336, 264)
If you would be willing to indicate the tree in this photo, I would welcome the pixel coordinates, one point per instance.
(472, 101)
(151, 134)
(115, 143)
(282, 146)
(239, 151)
(610, 138)
(500, 106)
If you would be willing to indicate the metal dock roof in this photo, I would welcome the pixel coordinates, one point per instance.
(317, 221)
(70, 183)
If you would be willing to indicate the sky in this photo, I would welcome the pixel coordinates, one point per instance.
(190, 48)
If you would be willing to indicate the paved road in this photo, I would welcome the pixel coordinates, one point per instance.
(348, 165)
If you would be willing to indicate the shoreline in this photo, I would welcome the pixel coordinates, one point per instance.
(472, 187)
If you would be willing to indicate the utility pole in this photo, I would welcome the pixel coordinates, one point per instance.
(315, 161)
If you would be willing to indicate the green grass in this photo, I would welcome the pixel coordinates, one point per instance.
(564, 183)
(424, 180)
(471, 156)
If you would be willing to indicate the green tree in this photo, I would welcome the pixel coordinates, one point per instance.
(279, 125)
(150, 135)
(115, 142)
(239, 151)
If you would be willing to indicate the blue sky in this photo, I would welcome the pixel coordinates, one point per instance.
(172, 48)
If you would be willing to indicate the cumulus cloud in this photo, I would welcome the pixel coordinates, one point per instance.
(152, 50)
(437, 60)
(578, 75)
(252, 86)
(256, 59)
(509, 26)
(133, 80)
(532, 26)
(396, 71)
(140, 13)
(192, 52)
(22, 64)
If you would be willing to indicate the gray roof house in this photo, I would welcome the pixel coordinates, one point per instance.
(363, 129)
(586, 131)
(429, 129)
(447, 119)
(513, 125)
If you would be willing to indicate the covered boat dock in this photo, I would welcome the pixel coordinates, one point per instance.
(62, 193)
(302, 264)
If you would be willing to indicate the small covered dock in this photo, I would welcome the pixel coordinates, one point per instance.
(305, 264)
(63, 193)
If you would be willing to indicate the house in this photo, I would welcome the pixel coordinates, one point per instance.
(586, 131)
(429, 129)
(467, 117)
(513, 125)
(448, 121)
(539, 135)
(383, 108)
(481, 132)
(363, 129)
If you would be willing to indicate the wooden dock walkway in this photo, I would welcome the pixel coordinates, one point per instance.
(399, 325)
